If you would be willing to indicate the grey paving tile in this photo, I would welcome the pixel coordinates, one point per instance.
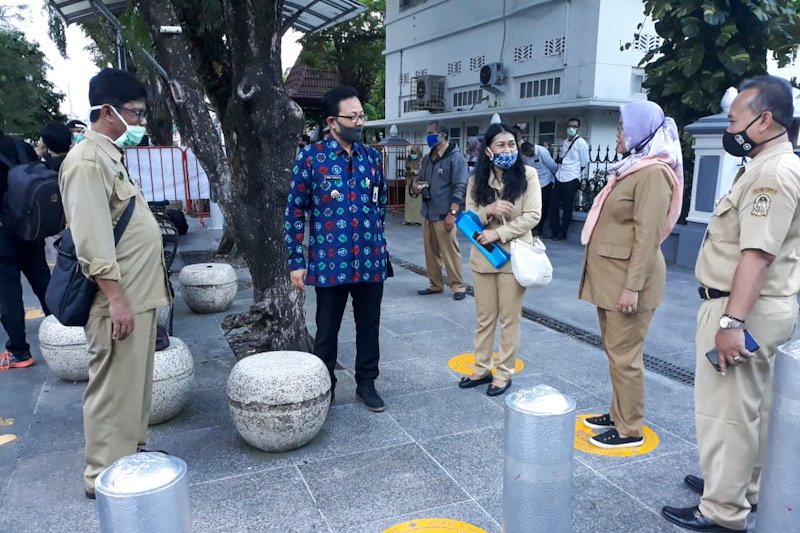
(426, 415)
(212, 372)
(284, 504)
(413, 375)
(468, 512)
(524, 380)
(206, 407)
(674, 412)
(52, 429)
(379, 484)
(418, 323)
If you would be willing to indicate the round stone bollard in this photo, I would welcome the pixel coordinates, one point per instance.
(142, 493)
(279, 400)
(173, 373)
(64, 349)
(163, 314)
(208, 287)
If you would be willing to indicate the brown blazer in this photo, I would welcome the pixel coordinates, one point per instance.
(624, 250)
(527, 213)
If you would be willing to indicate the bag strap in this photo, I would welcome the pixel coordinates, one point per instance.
(21, 154)
(570, 146)
(122, 223)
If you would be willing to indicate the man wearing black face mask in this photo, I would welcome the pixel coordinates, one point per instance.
(339, 184)
(749, 277)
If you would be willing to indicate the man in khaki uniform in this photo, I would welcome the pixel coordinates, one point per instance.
(749, 274)
(120, 333)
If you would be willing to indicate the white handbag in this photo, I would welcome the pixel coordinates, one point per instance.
(531, 266)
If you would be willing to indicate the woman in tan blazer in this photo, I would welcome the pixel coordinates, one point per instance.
(506, 196)
(623, 268)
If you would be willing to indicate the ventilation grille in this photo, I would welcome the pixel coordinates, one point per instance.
(523, 53)
(467, 98)
(646, 42)
(555, 47)
(537, 88)
(475, 63)
(454, 68)
(405, 78)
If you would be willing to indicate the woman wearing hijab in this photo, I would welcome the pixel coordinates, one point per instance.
(505, 194)
(623, 268)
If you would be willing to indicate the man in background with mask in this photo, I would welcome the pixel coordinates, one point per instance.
(749, 276)
(76, 127)
(339, 185)
(571, 165)
(121, 331)
(442, 183)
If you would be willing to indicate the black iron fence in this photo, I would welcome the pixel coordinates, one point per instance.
(595, 176)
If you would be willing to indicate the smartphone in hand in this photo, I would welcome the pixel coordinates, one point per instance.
(749, 343)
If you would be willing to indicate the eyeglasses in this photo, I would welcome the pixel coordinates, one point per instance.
(140, 114)
(353, 118)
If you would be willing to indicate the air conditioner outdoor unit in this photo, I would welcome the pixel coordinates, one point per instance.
(429, 92)
(492, 75)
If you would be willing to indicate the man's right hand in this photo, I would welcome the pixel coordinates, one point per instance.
(121, 318)
(299, 278)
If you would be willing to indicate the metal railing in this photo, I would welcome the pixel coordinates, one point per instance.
(595, 177)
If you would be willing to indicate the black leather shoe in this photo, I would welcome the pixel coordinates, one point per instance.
(459, 295)
(692, 518)
(698, 485)
(425, 292)
(89, 494)
(497, 391)
(367, 395)
(467, 383)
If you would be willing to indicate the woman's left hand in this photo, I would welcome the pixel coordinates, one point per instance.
(628, 301)
(487, 236)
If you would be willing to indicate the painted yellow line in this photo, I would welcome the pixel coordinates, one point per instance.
(33, 313)
(584, 433)
(5, 439)
(464, 363)
(6, 421)
(434, 525)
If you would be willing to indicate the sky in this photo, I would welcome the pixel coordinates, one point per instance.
(71, 76)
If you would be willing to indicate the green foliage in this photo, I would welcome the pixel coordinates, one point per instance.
(710, 45)
(355, 49)
(29, 100)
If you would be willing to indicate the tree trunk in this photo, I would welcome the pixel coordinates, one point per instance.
(159, 119)
(259, 124)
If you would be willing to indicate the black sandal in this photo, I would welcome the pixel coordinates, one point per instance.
(467, 383)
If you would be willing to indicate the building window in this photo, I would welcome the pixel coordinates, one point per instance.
(646, 42)
(454, 68)
(547, 133)
(637, 82)
(523, 53)
(408, 4)
(467, 98)
(555, 47)
(455, 136)
(473, 131)
(475, 63)
(537, 88)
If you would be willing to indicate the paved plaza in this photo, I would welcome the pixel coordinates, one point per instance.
(436, 452)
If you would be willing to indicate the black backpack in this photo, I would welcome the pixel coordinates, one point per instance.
(32, 206)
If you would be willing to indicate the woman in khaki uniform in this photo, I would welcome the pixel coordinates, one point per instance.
(506, 196)
(623, 268)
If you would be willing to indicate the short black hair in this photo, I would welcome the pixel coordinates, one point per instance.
(526, 148)
(774, 95)
(74, 123)
(331, 99)
(440, 128)
(574, 119)
(56, 137)
(115, 87)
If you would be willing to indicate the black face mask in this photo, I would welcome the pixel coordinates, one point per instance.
(350, 134)
(740, 144)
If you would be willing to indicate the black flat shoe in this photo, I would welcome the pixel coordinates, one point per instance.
(89, 494)
(425, 292)
(467, 383)
(692, 518)
(497, 391)
(698, 485)
(457, 296)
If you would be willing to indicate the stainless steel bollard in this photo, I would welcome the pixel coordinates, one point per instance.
(779, 499)
(537, 479)
(143, 493)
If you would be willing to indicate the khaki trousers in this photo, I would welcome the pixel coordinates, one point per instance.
(732, 411)
(498, 298)
(441, 248)
(116, 404)
(623, 339)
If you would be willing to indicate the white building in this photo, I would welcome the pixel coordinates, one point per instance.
(534, 62)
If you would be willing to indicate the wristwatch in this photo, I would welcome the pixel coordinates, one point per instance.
(729, 322)
(454, 212)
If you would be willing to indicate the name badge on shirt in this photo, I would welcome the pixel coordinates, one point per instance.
(331, 178)
(375, 192)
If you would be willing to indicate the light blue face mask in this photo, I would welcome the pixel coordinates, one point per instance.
(132, 136)
(76, 138)
(505, 160)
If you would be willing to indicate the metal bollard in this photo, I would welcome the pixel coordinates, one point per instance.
(143, 493)
(537, 479)
(779, 499)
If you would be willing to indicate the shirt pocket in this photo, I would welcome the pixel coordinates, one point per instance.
(613, 251)
(724, 224)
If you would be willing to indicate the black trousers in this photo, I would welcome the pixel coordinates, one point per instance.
(561, 203)
(547, 193)
(331, 302)
(20, 257)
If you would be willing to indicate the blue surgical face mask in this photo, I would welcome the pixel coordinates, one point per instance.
(505, 160)
(413, 157)
(77, 137)
(572, 132)
(432, 139)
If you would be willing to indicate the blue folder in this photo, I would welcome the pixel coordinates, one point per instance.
(470, 225)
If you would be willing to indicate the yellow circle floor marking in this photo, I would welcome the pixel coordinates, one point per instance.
(33, 314)
(5, 439)
(434, 525)
(464, 363)
(584, 433)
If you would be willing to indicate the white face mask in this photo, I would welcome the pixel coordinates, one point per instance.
(133, 134)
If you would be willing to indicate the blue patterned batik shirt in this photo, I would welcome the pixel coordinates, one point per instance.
(344, 198)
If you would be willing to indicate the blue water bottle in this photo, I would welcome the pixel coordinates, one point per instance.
(470, 225)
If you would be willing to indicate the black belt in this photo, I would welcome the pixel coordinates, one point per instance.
(710, 294)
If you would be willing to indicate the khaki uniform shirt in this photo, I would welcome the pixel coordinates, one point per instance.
(96, 189)
(526, 214)
(761, 213)
(623, 251)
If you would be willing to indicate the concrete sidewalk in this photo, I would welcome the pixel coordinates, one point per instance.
(436, 452)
